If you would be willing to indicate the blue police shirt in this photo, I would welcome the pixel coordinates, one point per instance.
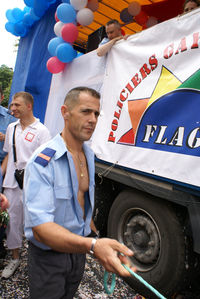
(5, 120)
(50, 191)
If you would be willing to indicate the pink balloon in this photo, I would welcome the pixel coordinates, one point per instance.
(69, 32)
(93, 5)
(55, 66)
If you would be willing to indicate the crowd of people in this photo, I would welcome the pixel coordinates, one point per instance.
(54, 206)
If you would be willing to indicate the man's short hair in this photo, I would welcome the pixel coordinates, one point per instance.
(195, 1)
(113, 22)
(72, 97)
(25, 95)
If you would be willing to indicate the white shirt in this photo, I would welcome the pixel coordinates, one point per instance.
(26, 142)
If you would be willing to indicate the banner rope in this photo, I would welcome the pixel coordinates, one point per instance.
(138, 277)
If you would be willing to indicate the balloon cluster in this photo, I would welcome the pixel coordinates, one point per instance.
(20, 21)
(69, 15)
(134, 13)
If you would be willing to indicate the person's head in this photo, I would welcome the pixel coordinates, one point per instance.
(22, 104)
(1, 95)
(113, 29)
(190, 5)
(80, 112)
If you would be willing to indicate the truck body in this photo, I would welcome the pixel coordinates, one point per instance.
(146, 143)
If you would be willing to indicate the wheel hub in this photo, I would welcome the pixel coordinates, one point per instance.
(141, 235)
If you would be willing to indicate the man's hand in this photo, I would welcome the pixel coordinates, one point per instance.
(107, 251)
(2, 136)
(4, 203)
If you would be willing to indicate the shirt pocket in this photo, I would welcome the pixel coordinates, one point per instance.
(63, 204)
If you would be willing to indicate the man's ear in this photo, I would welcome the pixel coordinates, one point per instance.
(64, 111)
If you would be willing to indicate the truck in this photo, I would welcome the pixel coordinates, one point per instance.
(146, 143)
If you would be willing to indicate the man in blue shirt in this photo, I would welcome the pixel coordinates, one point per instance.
(5, 120)
(114, 33)
(59, 202)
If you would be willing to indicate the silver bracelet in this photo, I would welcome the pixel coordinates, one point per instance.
(92, 246)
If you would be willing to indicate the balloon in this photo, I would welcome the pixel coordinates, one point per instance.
(142, 18)
(134, 8)
(55, 66)
(65, 52)
(53, 44)
(29, 2)
(66, 13)
(28, 20)
(9, 16)
(56, 18)
(10, 27)
(151, 21)
(69, 32)
(66, 1)
(20, 29)
(125, 16)
(17, 14)
(40, 7)
(78, 4)
(85, 16)
(58, 27)
(26, 9)
(93, 5)
(33, 15)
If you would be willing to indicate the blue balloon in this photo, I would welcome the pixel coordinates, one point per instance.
(26, 9)
(10, 28)
(65, 52)
(29, 2)
(53, 44)
(17, 14)
(20, 29)
(40, 7)
(33, 16)
(9, 16)
(66, 13)
(28, 20)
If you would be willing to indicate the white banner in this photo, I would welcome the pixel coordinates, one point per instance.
(150, 120)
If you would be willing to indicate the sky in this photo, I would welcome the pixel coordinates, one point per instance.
(8, 40)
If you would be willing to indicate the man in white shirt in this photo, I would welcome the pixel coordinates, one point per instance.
(30, 133)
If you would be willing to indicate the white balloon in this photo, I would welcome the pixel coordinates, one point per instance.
(58, 27)
(151, 22)
(78, 4)
(85, 16)
(134, 8)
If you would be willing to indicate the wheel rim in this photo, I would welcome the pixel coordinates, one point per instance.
(138, 230)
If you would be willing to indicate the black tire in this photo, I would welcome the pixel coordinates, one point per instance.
(150, 227)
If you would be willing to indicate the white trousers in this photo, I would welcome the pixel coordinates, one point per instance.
(14, 229)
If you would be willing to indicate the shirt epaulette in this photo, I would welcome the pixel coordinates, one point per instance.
(45, 156)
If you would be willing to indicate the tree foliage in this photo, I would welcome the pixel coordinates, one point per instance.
(6, 75)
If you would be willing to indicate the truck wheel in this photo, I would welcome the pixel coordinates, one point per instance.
(149, 226)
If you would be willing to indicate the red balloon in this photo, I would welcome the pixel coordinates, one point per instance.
(54, 65)
(69, 32)
(56, 18)
(141, 18)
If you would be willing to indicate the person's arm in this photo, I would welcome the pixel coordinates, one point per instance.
(2, 136)
(104, 49)
(4, 165)
(105, 250)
